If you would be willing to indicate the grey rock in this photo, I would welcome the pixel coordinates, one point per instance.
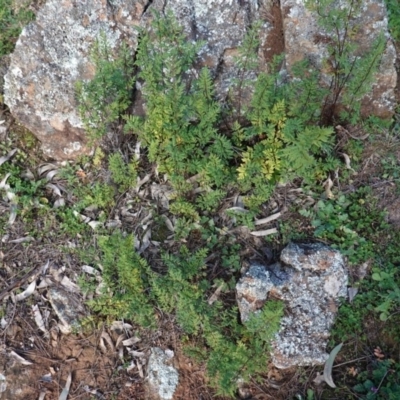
(68, 307)
(310, 280)
(162, 377)
(52, 53)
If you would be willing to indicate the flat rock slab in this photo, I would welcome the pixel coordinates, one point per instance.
(310, 280)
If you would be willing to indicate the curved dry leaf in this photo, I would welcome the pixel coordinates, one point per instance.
(10, 195)
(348, 162)
(59, 203)
(120, 325)
(131, 366)
(90, 270)
(146, 219)
(65, 392)
(145, 241)
(95, 224)
(45, 282)
(137, 150)
(113, 224)
(71, 286)
(42, 395)
(237, 209)
(28, 174)
(137, 354)
(168, 223)
(119, 341)
(328, 184)
(19, 359)
(121, 353)
(8, 156)
(352, 291)
(39, 319)
(102, 346)
(130, 341)
(23, 240)
(3, 184)
(13, 216)
(329, 364)
(141, 182)
(54, 188)
(108, 339)
(27, 292)
(50, 175)
(265, 232)
(267, 219)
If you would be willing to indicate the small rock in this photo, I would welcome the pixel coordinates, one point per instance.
(310, 280)
(68, 308)
(162, 377)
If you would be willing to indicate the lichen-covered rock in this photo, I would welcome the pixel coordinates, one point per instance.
(52, 53)
(305, 39)
(162, 377)
(68, 307)
(310, 279)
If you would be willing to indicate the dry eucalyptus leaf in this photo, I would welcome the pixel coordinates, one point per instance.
(39, 319)
(71, 286)
(65, 392)
(8, 156)
(214, 297)
(23, 240)
(130, 341)
(54, 188)
(329, 364)
(90, 270)
(59, 203)
(319, 378)
(119, 341)
(3, 184)
(265, 232)
(131, 366)
(145, 241)
(120, 325)
(108, 339)
(267, 219)
(42, 395)
(26, 293)
(95, 224)
(348, 162)
(138, 354)
(352, 291)
(237, 209)
(137, 150)
(140, 369)
(19, 359)
(328, 184)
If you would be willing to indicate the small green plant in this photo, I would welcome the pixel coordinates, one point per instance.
(12, 20)
(352, 73)
(394, 18)
(125, 275)
(381, 383)
(102, 100)
(124, 174)
(349, 223)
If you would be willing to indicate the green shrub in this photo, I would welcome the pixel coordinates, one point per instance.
(12, 20)
(352, 73)
(103, 99)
